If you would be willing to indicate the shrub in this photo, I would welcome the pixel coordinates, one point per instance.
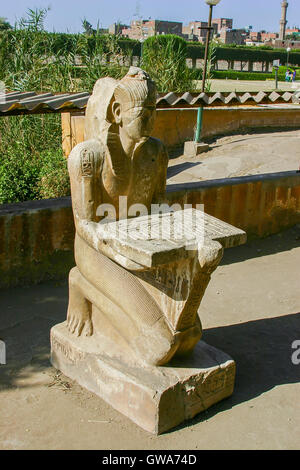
(283, 68)
(30, 149)
(234, 75)
(24, 177)
(18, 176)
(164, 58)
(53, 176)
(245, 53)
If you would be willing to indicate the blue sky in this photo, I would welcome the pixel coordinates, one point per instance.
(66, 15)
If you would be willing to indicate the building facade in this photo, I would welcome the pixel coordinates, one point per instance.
(286, 43)
(197, 31)
(143, 29)
(222, 23)
(233, 36)
(116, 28)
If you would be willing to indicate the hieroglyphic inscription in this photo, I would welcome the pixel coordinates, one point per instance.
(87, 163)
(70, 353)
(199, 392)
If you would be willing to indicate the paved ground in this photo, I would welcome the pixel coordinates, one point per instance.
(240, 155)
(250, 310)
(247, 85)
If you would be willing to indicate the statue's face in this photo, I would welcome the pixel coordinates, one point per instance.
(138, 122)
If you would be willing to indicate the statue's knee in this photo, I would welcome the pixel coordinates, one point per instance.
(156, 345)
(189, 338)
(73, 277)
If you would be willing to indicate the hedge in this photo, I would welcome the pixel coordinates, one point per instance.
(245, 54)
(233, 75)
(54, 43)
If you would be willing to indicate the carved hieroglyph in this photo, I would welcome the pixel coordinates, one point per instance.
(131, 302)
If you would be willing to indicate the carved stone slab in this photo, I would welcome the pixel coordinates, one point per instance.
(155, 398)
(162, 238)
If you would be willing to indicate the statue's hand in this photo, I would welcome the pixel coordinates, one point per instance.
(127, 263)
(210, 255)
(89, 231)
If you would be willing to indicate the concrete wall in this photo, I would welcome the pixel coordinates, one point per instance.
(260, 204)
(36, 241)
(36, 238)
(175, 126)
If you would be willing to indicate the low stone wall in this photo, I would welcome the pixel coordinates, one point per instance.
(36, 241)
(36, 238)
(260, 204)
(176, 126)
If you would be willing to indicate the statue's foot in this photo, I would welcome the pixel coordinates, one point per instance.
(79, 324)
(79, 318)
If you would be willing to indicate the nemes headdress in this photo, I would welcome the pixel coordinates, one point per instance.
(136, 89)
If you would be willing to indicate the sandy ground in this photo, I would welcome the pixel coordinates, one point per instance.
(240, 155)
(250, 310)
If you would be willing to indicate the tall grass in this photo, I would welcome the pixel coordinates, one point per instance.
(164, 57)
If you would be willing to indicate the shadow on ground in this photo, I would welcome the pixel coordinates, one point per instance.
(262, 350)
(283, 241)
(176, 169)
(247, 131)
(27, 316)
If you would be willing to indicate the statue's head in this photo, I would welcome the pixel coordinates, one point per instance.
(129, 104)
(134, 104)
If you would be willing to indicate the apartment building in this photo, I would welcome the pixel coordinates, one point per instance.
(116, 28)
(142, 29)
(222, 23)
(233, 36)
(197, 31)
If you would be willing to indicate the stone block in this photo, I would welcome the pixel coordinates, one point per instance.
(192, 149)
(155, 398)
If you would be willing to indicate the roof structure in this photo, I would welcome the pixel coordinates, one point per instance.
(20, 103)
(175, 100)
(15, 103)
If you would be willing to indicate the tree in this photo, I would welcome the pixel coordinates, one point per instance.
(4, 24)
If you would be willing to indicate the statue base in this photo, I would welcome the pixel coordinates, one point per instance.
(155, 398)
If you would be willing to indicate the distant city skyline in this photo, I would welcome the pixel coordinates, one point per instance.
(67, 15)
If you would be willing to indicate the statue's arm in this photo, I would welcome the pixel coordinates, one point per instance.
(160, 189)
(85, 165)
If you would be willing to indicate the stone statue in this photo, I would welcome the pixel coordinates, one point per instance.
(141, 316)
